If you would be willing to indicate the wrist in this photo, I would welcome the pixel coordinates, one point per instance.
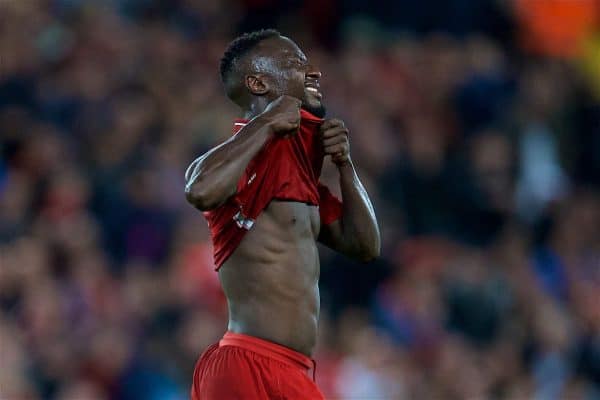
(345, 165)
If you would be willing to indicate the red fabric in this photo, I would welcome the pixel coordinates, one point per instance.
(245, 367)
(287, 168)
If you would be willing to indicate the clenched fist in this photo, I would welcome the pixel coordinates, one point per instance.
(335, 141)
(283, 115)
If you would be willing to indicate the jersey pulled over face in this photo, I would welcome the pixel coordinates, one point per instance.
(288, 72)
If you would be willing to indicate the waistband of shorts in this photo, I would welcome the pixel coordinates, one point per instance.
(267, 349)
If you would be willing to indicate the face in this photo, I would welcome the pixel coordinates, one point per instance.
(285, 70)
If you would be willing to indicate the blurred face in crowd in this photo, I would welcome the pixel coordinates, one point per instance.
(278, 68)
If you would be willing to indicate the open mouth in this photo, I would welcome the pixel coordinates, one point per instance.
(313, 89)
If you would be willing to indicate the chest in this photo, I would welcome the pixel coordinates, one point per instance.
(299, 219)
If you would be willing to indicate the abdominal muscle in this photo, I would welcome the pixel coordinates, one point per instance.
(271, 279)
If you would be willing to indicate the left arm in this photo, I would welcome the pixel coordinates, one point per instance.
(356, 234)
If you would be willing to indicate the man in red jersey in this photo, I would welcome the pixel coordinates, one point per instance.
(266, 209)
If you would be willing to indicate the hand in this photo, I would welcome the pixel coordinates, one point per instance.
(283, 115)
(335, 141)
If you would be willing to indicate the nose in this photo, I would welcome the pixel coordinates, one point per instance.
(313, 72)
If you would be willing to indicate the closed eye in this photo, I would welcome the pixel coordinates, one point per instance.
(298, 63)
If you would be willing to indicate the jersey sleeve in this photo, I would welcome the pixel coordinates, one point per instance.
(330, 207)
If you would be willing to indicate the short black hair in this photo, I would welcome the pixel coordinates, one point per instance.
(241, 46)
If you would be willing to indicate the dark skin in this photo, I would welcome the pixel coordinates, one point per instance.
(271, 279)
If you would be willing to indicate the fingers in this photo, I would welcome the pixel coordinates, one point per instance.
(331, 123)
(340, 138)
(335, 140)
(286, 122)
(290, 126)
(296, 103)
(334, 132)
(291, 116)
(287, 126)
(337, 149)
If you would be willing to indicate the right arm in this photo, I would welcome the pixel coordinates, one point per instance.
(212, 178)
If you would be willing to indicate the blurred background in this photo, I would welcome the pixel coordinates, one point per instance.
(475, 126)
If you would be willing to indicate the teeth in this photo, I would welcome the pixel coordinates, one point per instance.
(312, 89)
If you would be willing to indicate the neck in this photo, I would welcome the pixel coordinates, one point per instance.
(257, 106)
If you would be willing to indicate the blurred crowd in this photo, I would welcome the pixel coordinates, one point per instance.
(474, 127)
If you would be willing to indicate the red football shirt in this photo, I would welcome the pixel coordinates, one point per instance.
(286, 168)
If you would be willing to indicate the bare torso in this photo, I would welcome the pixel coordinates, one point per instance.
(271, 280)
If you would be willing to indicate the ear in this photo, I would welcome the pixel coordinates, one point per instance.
(257, 85)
